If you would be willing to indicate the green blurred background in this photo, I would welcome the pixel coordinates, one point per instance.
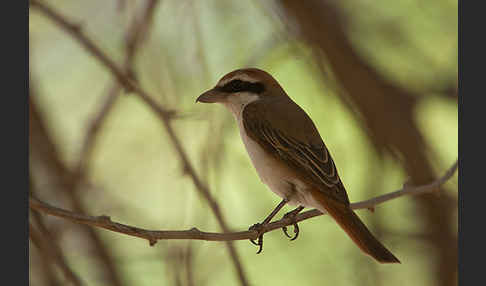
(135, 176)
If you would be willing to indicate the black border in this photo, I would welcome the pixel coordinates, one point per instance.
(471, 120)
(14, 138)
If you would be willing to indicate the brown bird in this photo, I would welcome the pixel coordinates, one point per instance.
(289, 154)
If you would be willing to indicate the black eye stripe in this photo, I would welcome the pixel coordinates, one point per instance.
(237, 85)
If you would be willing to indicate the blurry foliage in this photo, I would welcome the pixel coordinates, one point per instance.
(138, 177)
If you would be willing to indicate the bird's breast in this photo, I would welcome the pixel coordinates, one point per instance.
(264, 163)
(274, 173)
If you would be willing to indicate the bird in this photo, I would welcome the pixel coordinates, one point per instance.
(289, 154)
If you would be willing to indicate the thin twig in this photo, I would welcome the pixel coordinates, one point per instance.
(154, 235)
(164, 114)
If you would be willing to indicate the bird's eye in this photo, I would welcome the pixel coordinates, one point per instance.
(236, 85)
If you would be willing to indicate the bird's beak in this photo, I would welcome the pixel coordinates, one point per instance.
(212, 96)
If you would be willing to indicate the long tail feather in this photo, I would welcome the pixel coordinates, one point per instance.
(356, 230)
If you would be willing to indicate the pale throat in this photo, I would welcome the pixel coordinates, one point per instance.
(237, 102)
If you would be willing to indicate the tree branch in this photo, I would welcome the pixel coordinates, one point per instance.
(154, 235)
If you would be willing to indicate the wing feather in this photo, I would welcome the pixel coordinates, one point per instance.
(308, 157)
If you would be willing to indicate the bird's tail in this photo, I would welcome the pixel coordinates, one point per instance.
(356, 230)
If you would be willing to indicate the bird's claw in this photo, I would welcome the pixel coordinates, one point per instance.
(296, 231)
(259, 243)
(296, 226)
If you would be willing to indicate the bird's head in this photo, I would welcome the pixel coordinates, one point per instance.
(242, 86)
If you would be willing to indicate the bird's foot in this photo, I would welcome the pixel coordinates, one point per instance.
(292, 215)
(259, 228)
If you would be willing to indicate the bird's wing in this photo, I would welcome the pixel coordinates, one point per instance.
(284, 130)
